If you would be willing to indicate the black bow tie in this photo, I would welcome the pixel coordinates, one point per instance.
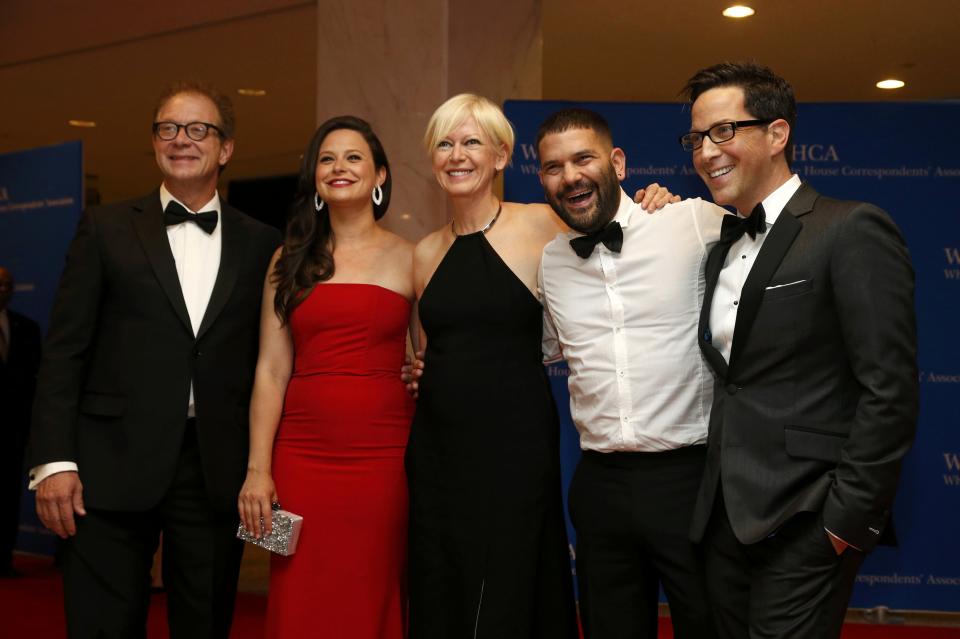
(734, 227)
(611, 235)
(176, 214)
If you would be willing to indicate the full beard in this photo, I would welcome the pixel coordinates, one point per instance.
(604, 207)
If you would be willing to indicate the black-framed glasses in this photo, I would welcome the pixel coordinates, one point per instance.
(196, 131)
(718, 133)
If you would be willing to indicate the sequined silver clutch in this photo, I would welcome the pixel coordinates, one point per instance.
(282, 539)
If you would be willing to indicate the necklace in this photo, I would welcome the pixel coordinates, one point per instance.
(484, 230)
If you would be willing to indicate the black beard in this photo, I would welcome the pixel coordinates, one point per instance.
(604, 209)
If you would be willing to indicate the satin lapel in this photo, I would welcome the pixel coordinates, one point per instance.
(232, 248)
(148, 224)
(771, 254)
(715, 260)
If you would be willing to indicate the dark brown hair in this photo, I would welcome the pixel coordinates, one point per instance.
(307, 256)
(766, 96)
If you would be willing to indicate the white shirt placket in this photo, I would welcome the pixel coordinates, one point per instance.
(620, 360)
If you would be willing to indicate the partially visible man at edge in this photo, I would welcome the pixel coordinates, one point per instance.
(19, 358)
(140, 420)
(808, 323)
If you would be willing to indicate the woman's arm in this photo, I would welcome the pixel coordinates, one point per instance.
(274, 367)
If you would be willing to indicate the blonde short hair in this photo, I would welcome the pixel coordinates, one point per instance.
(454, 111)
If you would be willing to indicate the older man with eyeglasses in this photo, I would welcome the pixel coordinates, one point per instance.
(140, 421)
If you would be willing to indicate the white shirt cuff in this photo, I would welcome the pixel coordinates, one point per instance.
(41, 472)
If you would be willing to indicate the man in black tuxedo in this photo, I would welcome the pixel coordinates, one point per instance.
(808, 323)
(140, 420)
(19, 358)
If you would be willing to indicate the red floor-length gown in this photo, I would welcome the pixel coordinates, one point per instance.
(338, 462)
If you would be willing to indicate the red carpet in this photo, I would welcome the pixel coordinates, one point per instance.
(32, 606)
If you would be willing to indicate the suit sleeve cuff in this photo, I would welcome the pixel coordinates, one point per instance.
(41, 472)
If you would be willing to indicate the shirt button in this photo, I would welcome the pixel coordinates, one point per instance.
(743, 257)
(620, 373)
(735, 302)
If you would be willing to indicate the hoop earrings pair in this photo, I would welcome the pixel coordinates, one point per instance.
(377, 198)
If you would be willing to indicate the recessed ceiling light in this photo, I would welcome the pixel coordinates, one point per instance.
(83, 124)
(738, 11)
(404, 216)
(255, 93)
(890, 84)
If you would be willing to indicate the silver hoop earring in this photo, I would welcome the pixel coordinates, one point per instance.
(377, 195)
(317, 202)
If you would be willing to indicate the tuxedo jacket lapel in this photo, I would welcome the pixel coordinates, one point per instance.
(715, 260)
(149, 226)
(774, 249)
(234, 242)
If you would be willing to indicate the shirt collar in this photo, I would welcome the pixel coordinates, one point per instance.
(166, 197)
(773, 204)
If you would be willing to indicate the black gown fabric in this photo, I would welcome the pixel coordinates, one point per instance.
(488, 547)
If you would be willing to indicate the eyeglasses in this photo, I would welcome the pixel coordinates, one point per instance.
(196, 131)
(718, 133)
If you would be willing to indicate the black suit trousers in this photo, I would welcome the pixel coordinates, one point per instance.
(791, 585)
(106, 567)
(632, 513)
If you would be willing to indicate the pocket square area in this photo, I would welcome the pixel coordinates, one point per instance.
(797, 283)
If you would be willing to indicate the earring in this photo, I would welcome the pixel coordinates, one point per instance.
(377, 195)
(317, 202)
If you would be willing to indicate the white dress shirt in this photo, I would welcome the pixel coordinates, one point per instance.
(197, 257)
(627, 325)
(743, 253)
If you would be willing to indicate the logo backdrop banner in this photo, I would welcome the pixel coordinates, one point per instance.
(41, 196)
(895, 156)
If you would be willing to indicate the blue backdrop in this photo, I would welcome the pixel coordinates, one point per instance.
(41, 196)
(899, 157)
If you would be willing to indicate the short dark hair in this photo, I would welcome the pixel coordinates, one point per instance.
(575, 118)
(228, 120)
(766, 96)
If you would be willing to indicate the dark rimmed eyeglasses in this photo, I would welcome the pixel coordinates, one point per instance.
(718, 133)
(196, 131)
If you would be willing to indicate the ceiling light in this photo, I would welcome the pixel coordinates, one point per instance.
(255, 93)
(83, 124)
(738, 11)
(404, 216)
(890, 84)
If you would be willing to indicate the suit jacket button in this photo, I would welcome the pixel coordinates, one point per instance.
(197, 352)
(732, 389)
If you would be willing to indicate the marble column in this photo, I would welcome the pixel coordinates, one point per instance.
(392, 62)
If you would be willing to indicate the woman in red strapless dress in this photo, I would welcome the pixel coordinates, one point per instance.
(330, 416)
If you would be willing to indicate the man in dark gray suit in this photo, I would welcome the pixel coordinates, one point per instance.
(140, 422)
(808, 323)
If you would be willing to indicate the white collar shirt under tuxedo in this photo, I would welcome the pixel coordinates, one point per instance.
(627, 325)
(736, 267)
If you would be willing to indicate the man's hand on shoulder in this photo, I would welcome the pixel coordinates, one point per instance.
(654, 197)
(59, 499)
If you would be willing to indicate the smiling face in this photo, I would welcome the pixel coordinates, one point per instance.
(744, 170)
(579, 173)
(466, 161)
(346, 173)
(186, 163)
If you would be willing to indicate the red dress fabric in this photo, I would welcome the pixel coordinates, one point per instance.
(338, 462)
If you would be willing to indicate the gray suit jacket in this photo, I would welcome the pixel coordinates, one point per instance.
(818, 404)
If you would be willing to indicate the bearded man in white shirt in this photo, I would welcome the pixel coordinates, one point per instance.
(140, 420)
(621, 295)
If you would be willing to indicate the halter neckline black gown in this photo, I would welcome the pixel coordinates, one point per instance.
(488, 548)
